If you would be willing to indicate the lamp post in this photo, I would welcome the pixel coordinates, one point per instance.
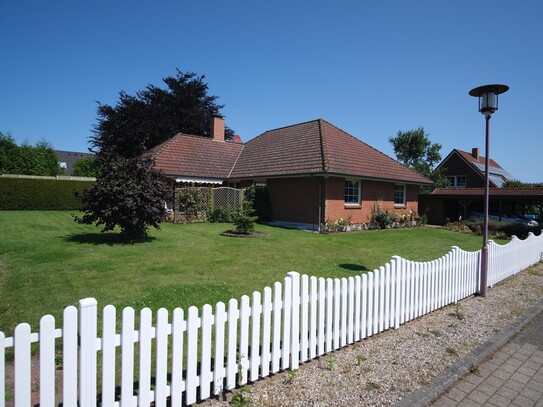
(488, 104)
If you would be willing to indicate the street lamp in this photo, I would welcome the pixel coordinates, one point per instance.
(488, 104)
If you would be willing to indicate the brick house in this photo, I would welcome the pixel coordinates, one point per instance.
(314, 171)
(465, 195)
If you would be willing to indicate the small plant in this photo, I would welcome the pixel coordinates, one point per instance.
(360, 359)
(242, 398)
(437, 334)
(330, 361)
(457, 314)
(452, 351)
(454, 325)
(372, 386)
(473, 369)
(423, 334)
(243, 220)
(291, 375)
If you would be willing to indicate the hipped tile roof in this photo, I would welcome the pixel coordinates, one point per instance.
(314, 147)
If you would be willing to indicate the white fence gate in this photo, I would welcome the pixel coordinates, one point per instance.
(185, 357)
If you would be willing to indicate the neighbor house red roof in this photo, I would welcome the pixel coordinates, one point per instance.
(472, 160)
(317, 147)
(195, 156)
(467, 192)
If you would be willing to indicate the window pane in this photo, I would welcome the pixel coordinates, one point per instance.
(461, 181)
(399, 194)
(352, 192)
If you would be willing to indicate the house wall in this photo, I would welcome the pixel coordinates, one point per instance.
(456, 165)
(373, 194)
(295, 199)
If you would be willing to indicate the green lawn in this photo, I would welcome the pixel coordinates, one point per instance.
(47, 262)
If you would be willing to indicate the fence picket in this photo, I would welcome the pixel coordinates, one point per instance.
(276, 332)
(87, 352)
(191, 378)
(287, 308)
(127, 357)
(256, 311)
(343, 312)
(266, 332)
(205, 352)
(244, 319)
(2, 368)
(350, 311)
(109, 316)
(161, 369)
(304, 317)
(329, 313)
(231, 357)
(218, 370)
(177, 358)
(321, 338)
(295, 320)
(313, 303)
(23, 365)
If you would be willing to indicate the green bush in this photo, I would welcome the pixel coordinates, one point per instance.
(41, 194)
(221, 215)
(244, 221)
(496, 230)
(259, 199)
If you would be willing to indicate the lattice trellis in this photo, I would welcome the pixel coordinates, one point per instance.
(192, 203)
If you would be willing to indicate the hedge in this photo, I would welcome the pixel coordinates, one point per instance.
(40, 194)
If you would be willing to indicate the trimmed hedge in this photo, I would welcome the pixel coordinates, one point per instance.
(40, 194)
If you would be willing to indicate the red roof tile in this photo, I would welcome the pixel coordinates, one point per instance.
(185, 155)
(471, 159)
(525, 191)
(317, 147)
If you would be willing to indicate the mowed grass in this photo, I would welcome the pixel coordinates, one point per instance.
(47, 262)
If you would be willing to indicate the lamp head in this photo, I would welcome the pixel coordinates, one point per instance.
(488, 97)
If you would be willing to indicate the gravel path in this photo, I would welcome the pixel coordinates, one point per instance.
(385, 368)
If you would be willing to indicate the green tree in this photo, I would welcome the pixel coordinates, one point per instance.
(128, 193)
(26, 159)
(414, 149)
(9, 154)
(153, 115)
(85, 167)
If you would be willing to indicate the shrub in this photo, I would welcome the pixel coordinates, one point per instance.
(41, 194)
(221, 215)
(244, 221)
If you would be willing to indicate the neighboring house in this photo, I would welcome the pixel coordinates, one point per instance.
(67, 159)
(465, 194)
(314, 172)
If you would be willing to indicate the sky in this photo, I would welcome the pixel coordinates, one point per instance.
(371, 68)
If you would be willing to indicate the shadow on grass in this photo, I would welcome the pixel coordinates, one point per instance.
(109, 239)
(353, 267)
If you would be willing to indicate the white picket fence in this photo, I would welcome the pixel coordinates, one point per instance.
(185, 358)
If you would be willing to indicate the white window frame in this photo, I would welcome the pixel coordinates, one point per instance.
(404, 195)
(358, 198)
(453, 179)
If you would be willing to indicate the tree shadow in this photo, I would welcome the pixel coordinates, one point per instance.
(353, 267)
(109, 239)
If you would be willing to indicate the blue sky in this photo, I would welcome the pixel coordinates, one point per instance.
(371, 68)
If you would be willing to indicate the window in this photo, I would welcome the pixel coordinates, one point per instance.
(456, 181)
(352, 192)
(399, 195)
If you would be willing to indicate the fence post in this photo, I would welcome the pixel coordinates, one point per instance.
(87, 352)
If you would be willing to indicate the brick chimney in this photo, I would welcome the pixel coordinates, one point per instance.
(475, 153)
(217, 128)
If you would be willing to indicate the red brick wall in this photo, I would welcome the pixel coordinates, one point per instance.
(294, 199)
(373, 194)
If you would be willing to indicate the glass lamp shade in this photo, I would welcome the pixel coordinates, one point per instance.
(488, 103)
